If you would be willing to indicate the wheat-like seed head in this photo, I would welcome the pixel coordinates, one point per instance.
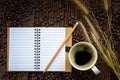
(81, 6)
(106, 4)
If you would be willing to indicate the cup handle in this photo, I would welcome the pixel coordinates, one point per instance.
(95, 70)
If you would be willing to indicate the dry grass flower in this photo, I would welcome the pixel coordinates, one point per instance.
(81, 6)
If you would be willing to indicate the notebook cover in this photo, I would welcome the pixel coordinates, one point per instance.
(68, 67)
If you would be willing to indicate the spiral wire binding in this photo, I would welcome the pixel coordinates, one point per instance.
(37, 48)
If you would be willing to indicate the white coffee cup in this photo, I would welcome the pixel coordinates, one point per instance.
(83, 56)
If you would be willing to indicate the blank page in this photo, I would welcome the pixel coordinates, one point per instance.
(21, 49)
(51, 39)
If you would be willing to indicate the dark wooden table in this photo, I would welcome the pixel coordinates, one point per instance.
(55, 13)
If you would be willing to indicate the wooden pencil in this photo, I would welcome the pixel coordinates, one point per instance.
(60, 47)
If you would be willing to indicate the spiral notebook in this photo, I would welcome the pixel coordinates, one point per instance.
(30, 49)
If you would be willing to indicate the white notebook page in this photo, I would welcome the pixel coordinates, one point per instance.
(51, 39)
(21, 49)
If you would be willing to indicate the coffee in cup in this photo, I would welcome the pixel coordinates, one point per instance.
(83, 56)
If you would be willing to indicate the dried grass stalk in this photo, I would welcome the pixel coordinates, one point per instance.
(81, 6)
(85, 32)
(107, 54)
(106, 51)
(106, 4)
(92, 27)
(99, 47)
